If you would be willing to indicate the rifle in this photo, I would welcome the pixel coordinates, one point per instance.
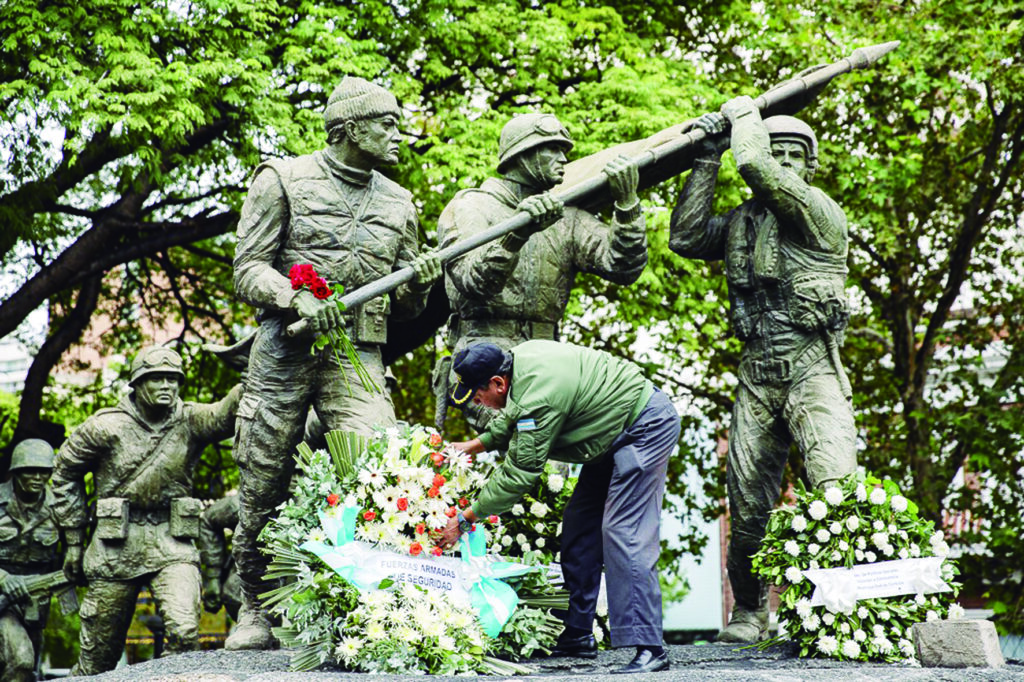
(39, 584)
(659, 157)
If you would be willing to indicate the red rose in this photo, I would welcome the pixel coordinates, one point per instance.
(437, 458)
(463, 502)
(436, 551)
(403, 503)
(439, 480)
(307, 274)
(421, 528)
(493, 518)
(451, 512)
(332, 499)
(435, 440)
(433, 492)
(415, 548)
(369, 515)
(320, 289)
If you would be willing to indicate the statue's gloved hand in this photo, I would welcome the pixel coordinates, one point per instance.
(212, 598)
(544, 210)
(738, 107)
(14, 587)
(73, 564)
(623, 179)
(716, 141)
(323, 315)
(427, 267)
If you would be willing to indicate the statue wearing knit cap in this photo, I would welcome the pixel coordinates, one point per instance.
(333, 210)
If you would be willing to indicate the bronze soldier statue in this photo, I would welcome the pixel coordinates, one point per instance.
(515, 289)
(28, 548)
(332, 210)
(221, 586)
(141, 455)
(785, 263)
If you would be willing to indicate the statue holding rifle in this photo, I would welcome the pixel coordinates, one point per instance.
(516, 288)
(785, 263)
(334, 211)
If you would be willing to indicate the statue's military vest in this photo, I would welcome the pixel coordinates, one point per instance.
(769, 273)
(27, 545)
(350, 234)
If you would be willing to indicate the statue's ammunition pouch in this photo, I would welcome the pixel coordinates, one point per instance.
(185, 513)
(817, 300)
(368, 323)
(112, 519)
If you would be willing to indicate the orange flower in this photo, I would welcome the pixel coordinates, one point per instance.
(437, 458)
(435, 440)
(493, 518)
(415, 548)
(451, 512)
(403, 503)
(369, 515)
(439, 480)
(433, 492)
(421, 528)
(436, 551)
(463, 502)
(332, 499)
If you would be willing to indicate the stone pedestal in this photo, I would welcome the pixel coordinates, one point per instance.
(958, 644)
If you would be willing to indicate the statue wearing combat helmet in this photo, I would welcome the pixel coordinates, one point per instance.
(28, 549)
(516, 288)
(141, 454)
(785, 263)
(332, 210)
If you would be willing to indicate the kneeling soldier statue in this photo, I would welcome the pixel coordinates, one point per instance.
(141, 455)
(28, 550)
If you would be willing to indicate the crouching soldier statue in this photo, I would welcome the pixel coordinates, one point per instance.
(28, 550)
(141, 455)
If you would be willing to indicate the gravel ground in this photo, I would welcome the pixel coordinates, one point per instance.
(689, 662)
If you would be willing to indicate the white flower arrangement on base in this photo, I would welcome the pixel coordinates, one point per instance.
(860, 521)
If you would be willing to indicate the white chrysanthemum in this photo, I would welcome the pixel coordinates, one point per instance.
(879, 540)
(898, 503)
(794, 574)
(862, 543)
(799, 524)
(432, 627)
(811, 623)
(813, 565)
(822, 535)
(956, 612)
(888, 550)
(851, 649)
(870, 557)
(843, 545)
(878, 525)
(892, 528)
(878, 629)
(834, 496)
(446, 643)
(858, 555)
(940, 549)
(862, 612)
(937, 536)
(521, 539)
(883, 645)
(792, 548)
(539, 509)
(349, 648)
(835, 528)
(539, 527)
(907, 647)
(878, 496)
(827, 645)
(931, 616)
(803, 607)
(813, 548)
(506, 541)
(602, 608)
(904, 553)
(372, 475)
(915, 551)
(540, 543)
(818, 510)
(852, 523)
(861, 492)
(883, 615)
(844, 628)
(596, 630)
(461, 619)
(555, 483)
(860, 635)
(316, 535)
(920, 599)
(518, 510)
(828, 619)
(375, 630)
(836, 556)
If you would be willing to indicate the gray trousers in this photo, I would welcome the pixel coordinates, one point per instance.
(612, 521)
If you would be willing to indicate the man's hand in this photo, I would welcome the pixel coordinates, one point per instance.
(544, 211)
(450, 535)
(715, 141)
(14, 587)
(322, 314)
(470, 447)
(738, 107)
(212, 594)
(73, 564)
(427, 267)
(623, 179)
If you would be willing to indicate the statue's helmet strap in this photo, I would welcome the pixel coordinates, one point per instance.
(527, 131)
(156, 359)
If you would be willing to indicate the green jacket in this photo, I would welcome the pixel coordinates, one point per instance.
(567, 403)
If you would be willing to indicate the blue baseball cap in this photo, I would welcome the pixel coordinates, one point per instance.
(474, 366)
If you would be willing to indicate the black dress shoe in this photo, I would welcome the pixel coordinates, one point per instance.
(646, 661)
(584, 646)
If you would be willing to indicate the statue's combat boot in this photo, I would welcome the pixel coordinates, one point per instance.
(252, 630)
(745, 627)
